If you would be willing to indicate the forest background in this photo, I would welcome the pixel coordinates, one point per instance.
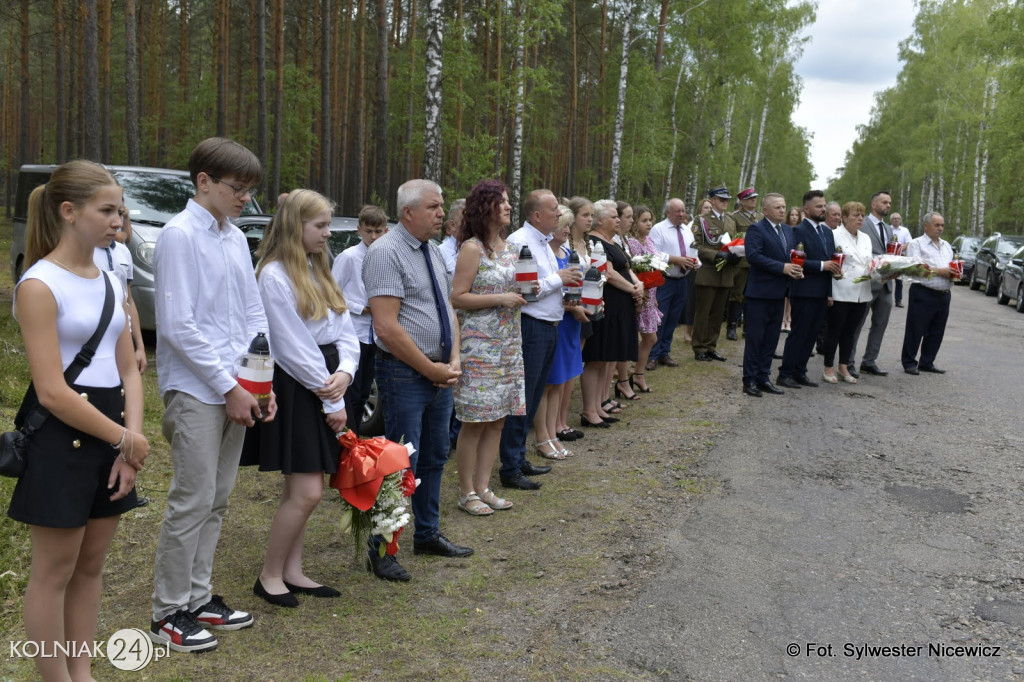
(635, 99)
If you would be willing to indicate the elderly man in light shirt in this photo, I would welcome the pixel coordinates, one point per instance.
(539, 323)
(901, 235)
(928, 300)
(674, 237)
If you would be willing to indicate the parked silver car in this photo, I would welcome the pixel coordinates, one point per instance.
(151, 195)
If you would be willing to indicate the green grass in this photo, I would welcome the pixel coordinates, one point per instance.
(502, 612)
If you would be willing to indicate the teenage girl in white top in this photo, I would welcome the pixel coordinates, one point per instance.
(81, 464)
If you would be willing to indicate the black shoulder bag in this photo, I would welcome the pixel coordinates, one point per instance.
(32, 415)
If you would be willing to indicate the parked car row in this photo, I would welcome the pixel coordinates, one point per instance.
(153, 196)
(997, 268)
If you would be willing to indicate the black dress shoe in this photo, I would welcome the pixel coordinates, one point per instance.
(899, 305)
(441, 546)
(517, 480)
(730, 334)
(715, 355)
(752, 390)
(286, 599)
(853, 372)
(933, 369)
(320, 591)
(804, 381)
(873, 369)
(387, 568)
(769, 387)
(702, 357)
(911, 370)
(532, 469)
(788, 382)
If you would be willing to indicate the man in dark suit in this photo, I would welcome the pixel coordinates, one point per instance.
(768, 243)
(808, 297)
(881, 292)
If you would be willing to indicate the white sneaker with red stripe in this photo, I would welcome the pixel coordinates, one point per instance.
(217, 615)
(180, 632)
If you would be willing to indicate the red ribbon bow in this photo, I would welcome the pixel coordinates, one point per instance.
(362, 466)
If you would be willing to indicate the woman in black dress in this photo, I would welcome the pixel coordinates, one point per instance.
(316, 351)
(615, 335)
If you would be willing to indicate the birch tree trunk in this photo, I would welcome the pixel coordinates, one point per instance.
(620, 111)
(940, 196)
(744, 170)
(517, 127)
(407, 172)
(990, 99)
(432, 127)
(760, 141)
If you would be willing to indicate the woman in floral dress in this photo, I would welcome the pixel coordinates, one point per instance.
(492, 384)
(649, 316)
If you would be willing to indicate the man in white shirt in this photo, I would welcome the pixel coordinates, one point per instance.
(348, 273)
(449, 245)
(208, 309)
(539, 323)
(674, 237)
(901, 235)
(928, 300)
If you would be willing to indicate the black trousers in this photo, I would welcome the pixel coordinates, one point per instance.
(807, 315)
(843, 318)
(927, 312)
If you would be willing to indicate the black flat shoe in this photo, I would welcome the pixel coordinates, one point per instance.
(567, 436)
(788, 382)
(610, 420)
(586, 423)
(933, 369)
(752, 390)
(286, 599)
(320, 591)
(804, 381)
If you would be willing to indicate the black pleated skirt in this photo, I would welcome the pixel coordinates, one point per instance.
(298, 441)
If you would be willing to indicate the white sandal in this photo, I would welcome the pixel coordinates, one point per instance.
(495, 502)
(474, 506)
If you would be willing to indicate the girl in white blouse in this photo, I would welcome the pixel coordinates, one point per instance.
(316, 350)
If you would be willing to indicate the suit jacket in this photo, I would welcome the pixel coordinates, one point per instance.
(815, 284)
(767, 259)
(708, 275)
(877, 249)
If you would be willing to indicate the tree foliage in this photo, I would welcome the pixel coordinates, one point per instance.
(198, 66)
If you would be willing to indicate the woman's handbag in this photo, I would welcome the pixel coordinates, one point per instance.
(32, 415)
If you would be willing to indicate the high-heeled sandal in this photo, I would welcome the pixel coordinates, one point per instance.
(557, 454)
(622, 394)
(635, 386)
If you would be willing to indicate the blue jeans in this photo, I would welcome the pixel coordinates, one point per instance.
(539, 341)
(671, 301)
(417, 412)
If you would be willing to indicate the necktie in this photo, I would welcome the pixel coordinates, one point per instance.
(442, 313)
(110, 261)
(782, 240)
(881, 234)
(821, 236)
(682, 244)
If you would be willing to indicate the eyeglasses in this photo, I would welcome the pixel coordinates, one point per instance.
(238, 191)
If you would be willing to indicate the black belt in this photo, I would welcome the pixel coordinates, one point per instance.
(537, 319)
(675, 276)
(384, 355)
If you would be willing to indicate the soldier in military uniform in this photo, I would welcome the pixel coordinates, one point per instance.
(712, 285)
(746, 216)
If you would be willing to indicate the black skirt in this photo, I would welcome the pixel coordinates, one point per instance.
(66, 471)
(298, 441)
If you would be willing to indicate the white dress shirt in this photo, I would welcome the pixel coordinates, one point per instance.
(448, 248)
(936, 256)
(665, 238)
(548, 306)
(858, 257)
(208, 307)
(115, 258)
(902, 235)
(348, 273)
(295, 339)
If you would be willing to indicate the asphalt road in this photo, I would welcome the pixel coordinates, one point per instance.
(882, 514)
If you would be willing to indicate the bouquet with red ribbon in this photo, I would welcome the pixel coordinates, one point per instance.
(736, 247)
(375, 479)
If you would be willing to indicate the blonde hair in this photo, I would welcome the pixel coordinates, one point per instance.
(315, 290)
(76, 182)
